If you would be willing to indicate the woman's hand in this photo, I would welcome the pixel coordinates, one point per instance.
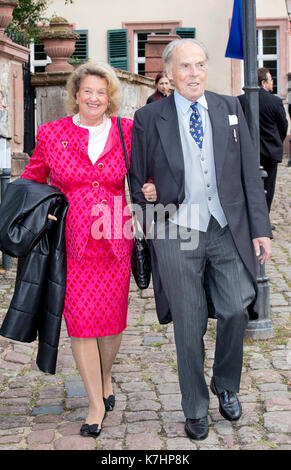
(149, 192)
(51, 217)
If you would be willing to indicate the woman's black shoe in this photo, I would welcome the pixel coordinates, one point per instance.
(90, 430)
(109, 402)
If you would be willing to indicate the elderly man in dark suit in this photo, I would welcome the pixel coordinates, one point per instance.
(273, 130)
(195, 146)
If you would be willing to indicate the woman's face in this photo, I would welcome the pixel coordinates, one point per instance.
(93, 100)
(164, 85)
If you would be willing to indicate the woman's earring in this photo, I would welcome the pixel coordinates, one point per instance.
(77, 102)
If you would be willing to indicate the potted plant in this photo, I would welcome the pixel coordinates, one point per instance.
(59, 44)
(6, 10)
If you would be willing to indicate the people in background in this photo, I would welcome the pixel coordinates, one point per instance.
(162, 88)
(273, 130)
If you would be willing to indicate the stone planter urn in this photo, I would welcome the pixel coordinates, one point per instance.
(59, 44)
(6, 10)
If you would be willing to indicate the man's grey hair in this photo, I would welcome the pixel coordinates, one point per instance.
(169, 49)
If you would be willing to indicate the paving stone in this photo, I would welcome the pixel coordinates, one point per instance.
(248, 434)
(68, 429)
(179, 443)
(139, 405)
(148, 412)
(140, 416)
(41, 437)
(75, 388)
(144, 426)
(10, 439)
(8, 422)
(116, 444)
(47, 410)
(75, 443)
(135, 386)
(17, 357)
(171, 402)
(144, 442)
(40, 447)
(14, 410)
(278, 421)
(278, 404)
(271, 387)
(167, 388)
(224, 427)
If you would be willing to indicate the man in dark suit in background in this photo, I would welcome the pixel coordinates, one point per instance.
(196, 147)
(273, 130)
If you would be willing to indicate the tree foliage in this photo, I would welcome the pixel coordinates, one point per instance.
(29, 15)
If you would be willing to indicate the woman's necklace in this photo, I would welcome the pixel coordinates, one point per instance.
(94, 130)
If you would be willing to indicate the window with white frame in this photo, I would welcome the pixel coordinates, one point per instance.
(140, 39)
(38, 58)
(268, 48)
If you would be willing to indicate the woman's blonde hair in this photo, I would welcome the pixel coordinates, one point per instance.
(100, 69)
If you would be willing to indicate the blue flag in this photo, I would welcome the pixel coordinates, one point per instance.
(235, 42)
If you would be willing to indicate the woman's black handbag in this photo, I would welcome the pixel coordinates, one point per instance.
(140, 259)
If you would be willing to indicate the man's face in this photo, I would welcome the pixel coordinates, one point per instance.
(269, 82)
(188, 71)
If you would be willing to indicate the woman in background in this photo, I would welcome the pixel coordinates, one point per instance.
(162, 88)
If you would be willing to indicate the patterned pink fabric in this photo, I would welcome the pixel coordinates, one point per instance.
(62, 151)
(96, 298)
(98, 271)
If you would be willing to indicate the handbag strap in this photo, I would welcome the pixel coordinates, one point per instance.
(127, 174)
(125, 156)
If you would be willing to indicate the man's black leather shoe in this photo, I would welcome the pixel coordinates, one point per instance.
(197, 428)
(229, 405)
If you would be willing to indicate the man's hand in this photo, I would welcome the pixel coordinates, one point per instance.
(265, 242)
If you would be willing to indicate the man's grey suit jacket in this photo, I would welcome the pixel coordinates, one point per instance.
(157, 154)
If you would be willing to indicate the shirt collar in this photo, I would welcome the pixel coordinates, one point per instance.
(184, 105)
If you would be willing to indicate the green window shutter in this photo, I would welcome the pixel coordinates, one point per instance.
(81, 48)
(186, 32)
(117, 48)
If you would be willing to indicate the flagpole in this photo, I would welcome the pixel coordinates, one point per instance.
(261, 328)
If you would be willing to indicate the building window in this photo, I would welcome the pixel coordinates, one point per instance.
(136, 38)
(186, 32)
(38, 58)
(117, 48)
(140, 40)
(269, 55)
(81, 48)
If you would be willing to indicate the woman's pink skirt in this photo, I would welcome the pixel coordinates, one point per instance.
(97, 288)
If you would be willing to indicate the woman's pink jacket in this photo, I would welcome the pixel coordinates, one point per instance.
(96, 193)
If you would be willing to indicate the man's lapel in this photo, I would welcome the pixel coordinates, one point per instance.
(218, 115)
(168, 127)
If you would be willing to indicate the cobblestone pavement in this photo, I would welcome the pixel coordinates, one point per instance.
(40, 411)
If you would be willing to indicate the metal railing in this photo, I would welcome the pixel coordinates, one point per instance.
(18, 37)
(5, 174)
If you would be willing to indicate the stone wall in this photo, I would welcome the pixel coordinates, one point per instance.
(51, 94)
(12, 56)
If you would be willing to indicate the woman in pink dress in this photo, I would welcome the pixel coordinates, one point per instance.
(83, 156)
